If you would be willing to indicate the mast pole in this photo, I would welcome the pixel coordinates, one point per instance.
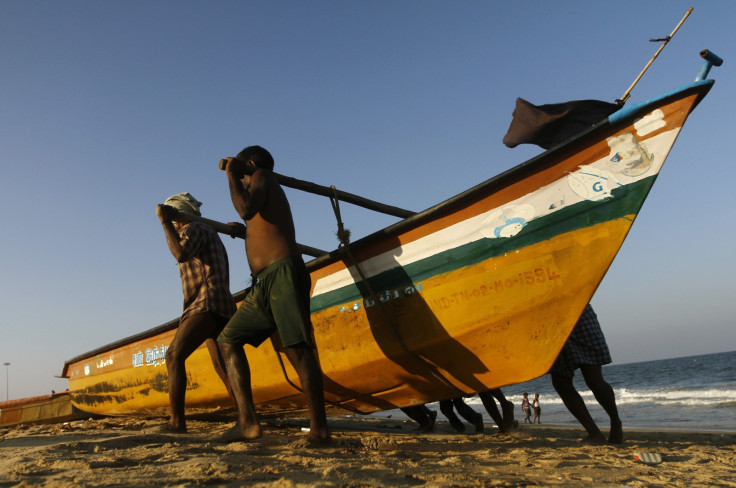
(667, 39)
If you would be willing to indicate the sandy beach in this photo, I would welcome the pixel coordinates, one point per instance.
(366, 452)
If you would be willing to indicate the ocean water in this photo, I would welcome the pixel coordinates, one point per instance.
(695, 393)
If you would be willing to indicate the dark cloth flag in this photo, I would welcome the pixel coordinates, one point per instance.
(549, 125)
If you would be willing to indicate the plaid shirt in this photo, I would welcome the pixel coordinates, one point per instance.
(205, 277)
(585, 346)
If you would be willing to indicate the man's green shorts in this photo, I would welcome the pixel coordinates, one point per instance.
(278, 300)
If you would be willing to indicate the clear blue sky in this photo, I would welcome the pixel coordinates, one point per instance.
(110, 107)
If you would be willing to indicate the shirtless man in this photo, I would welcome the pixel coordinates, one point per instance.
(278, 299)
(208, 303)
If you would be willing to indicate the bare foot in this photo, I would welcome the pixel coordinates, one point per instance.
(507, 409)
(616, 435)
(594, 439)
(457, 425)
(432, 417)
(478, 424)
(319, 441)
(429, 426)
(318, 437)
(235, 433)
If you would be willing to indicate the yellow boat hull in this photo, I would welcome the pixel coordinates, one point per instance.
(451, 301)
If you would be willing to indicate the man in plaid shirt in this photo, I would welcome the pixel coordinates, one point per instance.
(208, 303)
(587, 350)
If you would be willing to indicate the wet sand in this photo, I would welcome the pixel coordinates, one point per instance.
(366, 452)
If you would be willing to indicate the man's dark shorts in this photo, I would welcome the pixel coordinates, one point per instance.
(278, 300)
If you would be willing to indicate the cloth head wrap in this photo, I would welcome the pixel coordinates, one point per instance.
(185, 203)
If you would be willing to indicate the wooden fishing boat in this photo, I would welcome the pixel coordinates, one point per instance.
(56, 407)
(441, 303)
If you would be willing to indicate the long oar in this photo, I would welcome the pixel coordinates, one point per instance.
(667, 39)
(233, 230)
(326, 191)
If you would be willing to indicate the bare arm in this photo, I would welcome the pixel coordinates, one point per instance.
(248, 193)
(172, 236)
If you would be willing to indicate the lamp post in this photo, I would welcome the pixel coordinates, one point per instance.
(6, 381)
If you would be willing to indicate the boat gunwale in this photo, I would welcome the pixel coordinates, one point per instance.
(700, 88)
(518, 170)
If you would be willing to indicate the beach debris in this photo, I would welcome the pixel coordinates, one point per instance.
(650, 458)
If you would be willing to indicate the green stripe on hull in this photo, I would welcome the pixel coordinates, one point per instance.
(626, 200)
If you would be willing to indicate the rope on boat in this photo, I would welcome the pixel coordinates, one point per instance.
(300, 390)
(343, 235)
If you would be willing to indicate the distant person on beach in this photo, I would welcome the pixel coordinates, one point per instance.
(277, 301)
(526, 408)
(422, 415)
(504, 419)
(208, 303)
(587, 350)
(537, 410)
(448, 407)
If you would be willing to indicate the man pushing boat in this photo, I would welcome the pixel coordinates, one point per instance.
(208, 302)
(586, 349)
(278, 299)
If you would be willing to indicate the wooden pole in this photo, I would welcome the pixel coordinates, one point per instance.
(667, 39)
(332, 191)
(234, 230)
